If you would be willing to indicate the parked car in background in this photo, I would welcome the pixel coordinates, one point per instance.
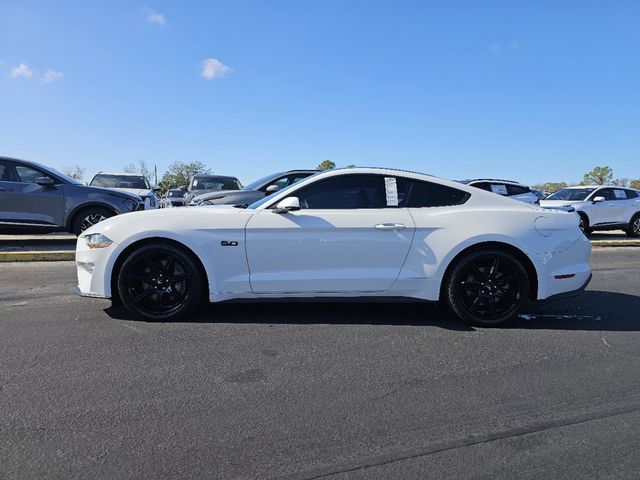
(39, 199)
(254, 191)
(506, 188)
(539, 193)
(354, 232)
(205, 183)
(130, 183)
(173, 198)
(601, 207)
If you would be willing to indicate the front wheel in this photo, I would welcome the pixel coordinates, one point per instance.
(160, 282)
(89, 217)
(487, 288)
(633, 230)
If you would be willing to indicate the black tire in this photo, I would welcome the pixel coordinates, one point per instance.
(160, 282)
(633, 229)
(88, 217)
(486, 287)
(584, 224)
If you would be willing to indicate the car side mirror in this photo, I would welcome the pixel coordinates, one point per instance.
(289, 204)
(45, 181)
(156, 189)
(272, 188)
(598, 199)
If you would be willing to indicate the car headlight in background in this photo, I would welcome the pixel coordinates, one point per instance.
(98, 240)
(130, 204)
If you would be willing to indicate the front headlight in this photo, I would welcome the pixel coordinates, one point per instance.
(98, 240)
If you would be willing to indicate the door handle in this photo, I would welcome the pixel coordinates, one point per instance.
(390, 226)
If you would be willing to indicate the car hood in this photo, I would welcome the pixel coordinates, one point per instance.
(109, 191)
(171, 222)
(140, 192)
(208, 194)
(558, 203)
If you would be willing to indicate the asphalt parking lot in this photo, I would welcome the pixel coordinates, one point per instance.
(318, 390)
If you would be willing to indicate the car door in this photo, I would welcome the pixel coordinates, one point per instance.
(26, 202)
(611, 210)
(633, 205)
(349, 236)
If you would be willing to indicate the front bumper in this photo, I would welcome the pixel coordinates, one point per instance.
(91, 266)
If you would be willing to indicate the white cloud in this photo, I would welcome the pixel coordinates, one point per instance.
(153, 17)
(22, 70)
(51, 76)
(214, 68)
(494, 48)
(514, 45)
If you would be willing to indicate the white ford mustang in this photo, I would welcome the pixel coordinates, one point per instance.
(356, 232)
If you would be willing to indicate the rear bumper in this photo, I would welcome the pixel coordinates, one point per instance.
(571, 293)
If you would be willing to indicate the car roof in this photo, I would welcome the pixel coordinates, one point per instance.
(214, 175)
(121, 173)
(512, 182)
(598, 186)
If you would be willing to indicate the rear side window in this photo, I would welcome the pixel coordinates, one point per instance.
(482, 185)
(426, 194)
(517, 189)
(631, 194)
(5, 176)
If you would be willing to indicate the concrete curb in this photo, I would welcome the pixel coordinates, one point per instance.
(38, 256)
(615, 243)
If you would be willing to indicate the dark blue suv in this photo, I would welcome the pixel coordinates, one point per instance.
(38, 199)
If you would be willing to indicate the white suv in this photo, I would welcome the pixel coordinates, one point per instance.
(601, 207)
(506, 188)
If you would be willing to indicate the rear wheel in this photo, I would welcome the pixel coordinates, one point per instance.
(160, 282)
(487, 287)
(89, 217)
(633, 230)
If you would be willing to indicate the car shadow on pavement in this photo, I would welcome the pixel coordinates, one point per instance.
(592, 310)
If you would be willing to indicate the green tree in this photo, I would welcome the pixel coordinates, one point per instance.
(598, 176)
(179, 174)
(635, 184)
(550, 186)
(326, 165)
(75, 172)
(140, 168)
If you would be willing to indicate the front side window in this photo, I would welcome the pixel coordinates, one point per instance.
(345, 192)
(28, 174)
(606, 193)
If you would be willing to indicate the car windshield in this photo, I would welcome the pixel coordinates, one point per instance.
(265, 199)
(215, 183)
(120, 181)
(261, 182)
(576, 194)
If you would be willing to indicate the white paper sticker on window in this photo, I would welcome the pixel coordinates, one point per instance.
(195, 183)
(391, 188)
(620, 194)
(499, 188)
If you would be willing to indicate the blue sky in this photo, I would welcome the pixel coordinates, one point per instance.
(534, 91)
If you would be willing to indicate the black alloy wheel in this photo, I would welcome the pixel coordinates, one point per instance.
(160, 282)
(487, 287)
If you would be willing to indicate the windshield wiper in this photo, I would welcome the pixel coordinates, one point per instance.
(241, 205)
